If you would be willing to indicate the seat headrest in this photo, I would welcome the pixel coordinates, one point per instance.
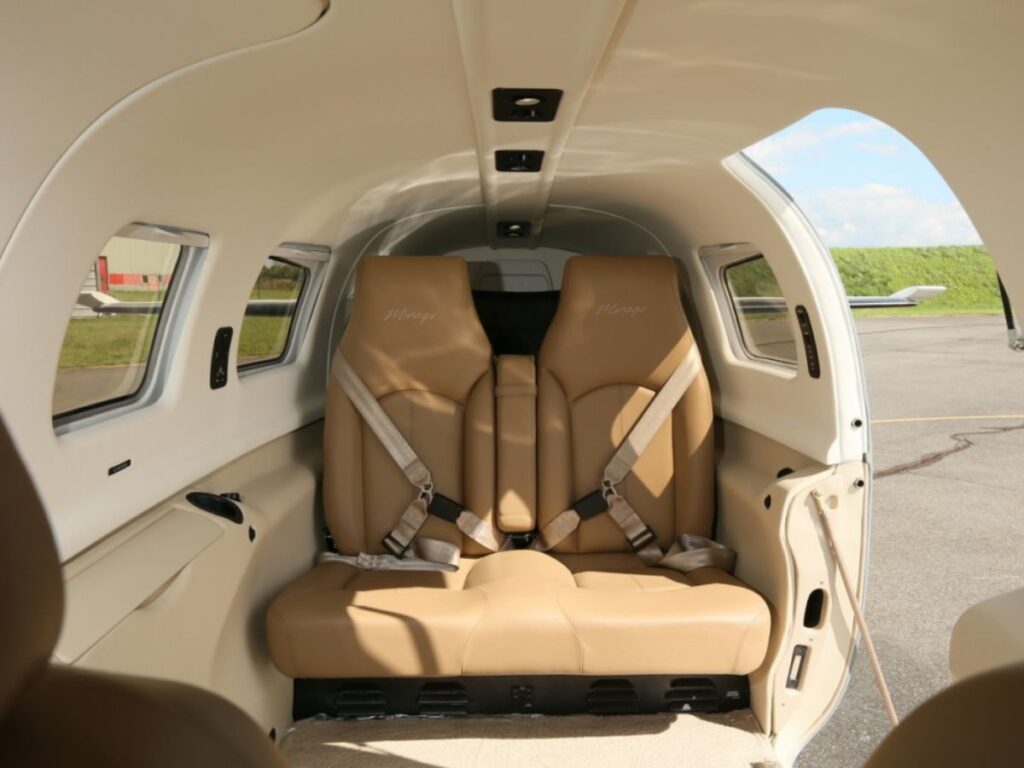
(413, 326)
(619, 321)
(32, 598)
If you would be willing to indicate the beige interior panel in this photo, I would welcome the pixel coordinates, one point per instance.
(101, 595)
(799, 712)
(87, 56)
(206, 626)
(768, 520)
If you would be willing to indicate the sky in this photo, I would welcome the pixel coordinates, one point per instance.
(863, 184)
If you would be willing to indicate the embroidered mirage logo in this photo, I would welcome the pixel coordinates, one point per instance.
(621, 309)
(407, 315)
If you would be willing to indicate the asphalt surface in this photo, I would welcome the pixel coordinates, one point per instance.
(948, 512)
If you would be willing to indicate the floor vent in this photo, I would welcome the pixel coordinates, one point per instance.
(361, 701)
(443, 698)
(693, 694)
(612, 697)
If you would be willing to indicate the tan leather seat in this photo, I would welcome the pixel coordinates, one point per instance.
(416, 341)
(619, 333)
(593, 609)
(55, 715)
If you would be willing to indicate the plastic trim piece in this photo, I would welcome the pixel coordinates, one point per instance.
(105, 593)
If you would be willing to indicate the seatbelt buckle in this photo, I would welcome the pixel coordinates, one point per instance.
(394, 546)
(591, 505)
(643, 538)
(522, 540)
(445, 508)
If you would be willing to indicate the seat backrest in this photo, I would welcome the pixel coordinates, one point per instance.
(974, 722)
(618, 335)
(32, 600)
(416, 342)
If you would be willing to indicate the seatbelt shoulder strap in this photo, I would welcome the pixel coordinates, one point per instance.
(428, 501)
(688, 552)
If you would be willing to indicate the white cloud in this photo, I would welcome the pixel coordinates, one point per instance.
(877, 148)
(776, 153)
(879, 214)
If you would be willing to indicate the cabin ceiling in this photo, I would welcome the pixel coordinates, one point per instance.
(382, 109)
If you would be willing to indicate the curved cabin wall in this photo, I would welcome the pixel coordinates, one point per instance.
(360, 123)
(64, 67)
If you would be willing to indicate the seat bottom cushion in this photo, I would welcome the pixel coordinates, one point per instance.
(518, 613)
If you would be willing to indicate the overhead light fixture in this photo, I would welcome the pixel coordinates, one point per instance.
(514, 229)
(518, 160)
(525, 105)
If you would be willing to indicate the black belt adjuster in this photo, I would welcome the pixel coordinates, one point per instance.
(591, 505)
(642, 539)
(393, 545)
(446, 509)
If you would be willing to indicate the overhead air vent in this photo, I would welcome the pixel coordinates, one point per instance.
(514, 229)
(525, 105)
(443, 698)
(518, 160)
(612, 697)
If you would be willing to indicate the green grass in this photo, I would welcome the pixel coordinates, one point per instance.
(107, 341)
(272, 293)
(965, 270)
(138, 295)
(262, 338)
(91, 342)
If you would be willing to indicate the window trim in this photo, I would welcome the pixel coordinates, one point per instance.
(192, 247)
(719, 258)
(314, 259)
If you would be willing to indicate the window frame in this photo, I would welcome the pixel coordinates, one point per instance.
(312, 258)
(192, 247)
(717, 259)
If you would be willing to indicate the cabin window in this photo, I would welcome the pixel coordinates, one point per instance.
(270, 315)
(119, 323)
(760, 310)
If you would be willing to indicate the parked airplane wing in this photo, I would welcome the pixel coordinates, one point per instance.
(907, 297)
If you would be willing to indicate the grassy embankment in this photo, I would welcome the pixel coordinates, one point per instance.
(966, 271)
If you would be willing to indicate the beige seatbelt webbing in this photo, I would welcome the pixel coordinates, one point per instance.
(422, 555)
(656, 414)
(377, 419)
(403, 538)
(688, 552)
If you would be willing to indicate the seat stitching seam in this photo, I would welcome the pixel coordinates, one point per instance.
(613, 385)
(572, 628)
(287, 632)
(743, 637)
(476, 626)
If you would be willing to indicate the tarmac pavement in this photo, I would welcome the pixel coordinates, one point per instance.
(947, 410)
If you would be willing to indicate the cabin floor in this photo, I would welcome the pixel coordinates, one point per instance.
(729, 740)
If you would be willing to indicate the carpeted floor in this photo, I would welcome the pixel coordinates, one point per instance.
(729, 740)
